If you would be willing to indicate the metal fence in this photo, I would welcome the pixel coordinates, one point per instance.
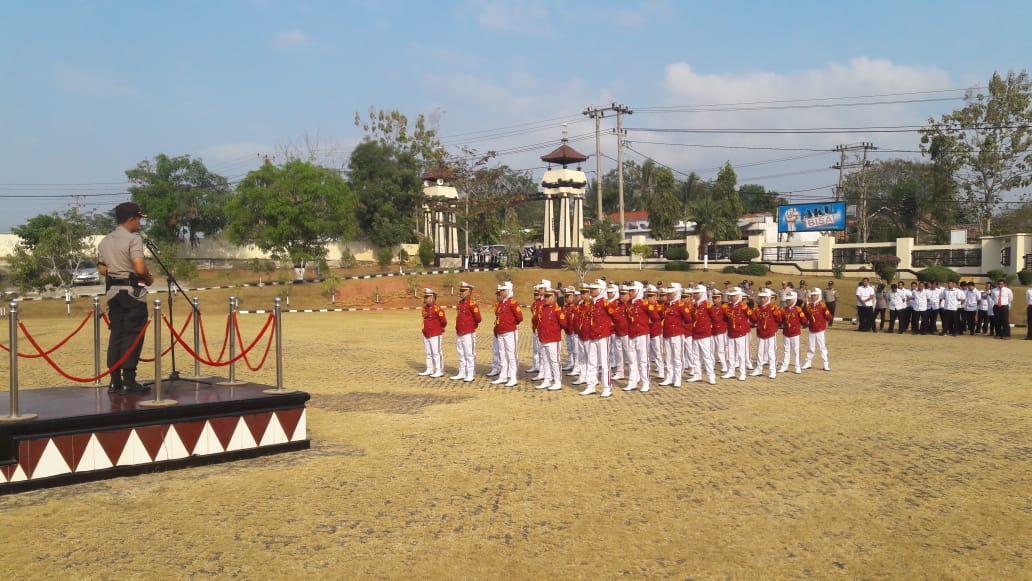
(788, 253)
(723, 251)
(860, 255)
(923, 258)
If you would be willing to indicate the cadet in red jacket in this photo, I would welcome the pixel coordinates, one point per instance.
(766, 316)
(793, 320)
(702, 338)
(467, 318)
(738, 316)
(434, 323)
(507, 316)
(818, 317)
(598, 327)
(583, 333)
(640, 315)
(675, 320)
(551, 322)
(718, 317)
(656, 299)
(620, 344)
(570, 296)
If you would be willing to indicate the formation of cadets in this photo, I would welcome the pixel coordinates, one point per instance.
(634, 332)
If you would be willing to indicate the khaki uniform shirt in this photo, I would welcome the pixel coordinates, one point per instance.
(117, 250)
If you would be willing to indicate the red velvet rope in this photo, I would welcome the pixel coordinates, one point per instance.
(169, 348)
(55, 347)
(204, 341)
(240, 341)
(58, 369)
(196, 356)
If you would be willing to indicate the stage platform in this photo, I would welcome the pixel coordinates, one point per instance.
(84, 433)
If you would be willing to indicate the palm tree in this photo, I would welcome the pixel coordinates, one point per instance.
(713, 220)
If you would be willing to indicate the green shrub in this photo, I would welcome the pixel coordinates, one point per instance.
(885, 265)
(1025, 276)
(838, 269)
(676, 253)
(754, 269)
(744, 255)
(677, 265)
(426, 252)
(384, 256)
(939, 273)
(996, 274)
(729, 269)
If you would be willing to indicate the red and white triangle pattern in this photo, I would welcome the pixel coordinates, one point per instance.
(68, 454)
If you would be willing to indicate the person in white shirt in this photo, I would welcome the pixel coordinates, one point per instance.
(920, 308)
(952, 299)
(897, 305)
(1001, 298)
(934, 292)
(865, 302)
(971, 300)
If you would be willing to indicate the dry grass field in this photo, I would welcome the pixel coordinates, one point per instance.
(911, 459)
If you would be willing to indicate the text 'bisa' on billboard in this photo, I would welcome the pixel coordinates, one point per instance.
(812, 217)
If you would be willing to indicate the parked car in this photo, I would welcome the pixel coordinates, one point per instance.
(86, 273)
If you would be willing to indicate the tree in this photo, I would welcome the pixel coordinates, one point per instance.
(578, 263)
(724, 191)
(606, 236)
(987, 143)
(641, 251)
(756, 199)
(292, 211)
(512, 236)
(426, 252)
(714, 220)
(182, 199)
(387, 181)
(51, 246)
(659, 198)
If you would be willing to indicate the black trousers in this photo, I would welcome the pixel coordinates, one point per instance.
(1002, 315)
(895, 315)
(128, 316)
(866, 318)
(949, 321)
(831, 309)
(967, 322)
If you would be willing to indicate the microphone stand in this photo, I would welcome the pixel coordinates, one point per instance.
(170, 281)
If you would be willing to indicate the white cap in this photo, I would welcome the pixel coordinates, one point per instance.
(675, 285)
(429, 291)
(546, 284)
(792, 296)
(505, 286)
(613, 289)
(599, 284)
(736, 290)
(652, 289)
(815, 293)
(765, 293)
(700, 289)
(465, 284)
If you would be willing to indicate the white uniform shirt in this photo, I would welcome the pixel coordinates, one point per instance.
(1002, 296)
(920, 300)
(897, 301)
(971, 300)
(934, 298)
(952, 298)
(865, 296)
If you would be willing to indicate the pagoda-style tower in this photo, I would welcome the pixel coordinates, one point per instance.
(568, 186)
(439, 220)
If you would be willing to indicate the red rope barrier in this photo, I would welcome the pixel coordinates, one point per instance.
(57, 368)
(106, 320)
(169, 348)
(204, 340)
(240, 341)
(195, 355)
(55, 347)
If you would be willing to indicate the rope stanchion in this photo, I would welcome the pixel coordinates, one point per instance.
(245, 351)
(232, 381)
(225, 342)
(96, 340)
(55, 347)
(14, 415)
(182, 342)
(169, 348)
(58, 369)
(278, 335)
(196, 342)
(157, 401)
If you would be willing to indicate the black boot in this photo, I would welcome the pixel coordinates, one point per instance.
(116, 385)
(131, 386)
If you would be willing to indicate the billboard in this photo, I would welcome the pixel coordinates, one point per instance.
(812, 217)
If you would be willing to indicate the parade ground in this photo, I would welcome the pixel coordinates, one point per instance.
(909, 459)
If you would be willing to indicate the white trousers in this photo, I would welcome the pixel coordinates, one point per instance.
(738, 348)
(548, 363)
(597, 363)
(791, 351)
(638, 360)
(507, 356)
(467, 348)
(689, 354)
(656, 354)
(815, 342)
(434, 358)
(766, 352)
(621, 345)
(720, 353)
(535, 358)
(496, 358)
(674, 347)
(571, 350)
(703, 357)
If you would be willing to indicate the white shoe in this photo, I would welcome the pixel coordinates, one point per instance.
(544, 385)
(694, 378)
(498, 381)
(807, 365)
(728, 375)
(666, 382)
(618, 376)
(827, 367)
(588, 391)
(712, 379)
(537, 377)
(567, 368)
(644, 389)
(676, 384)
(783, 369)
(572, 374)
(631, 387)
(798, 369)
(773, 374)
(469, 378)
(741, 376)
(579, 382)
(555, 386)
(458, 377)
(427, 372)
(493, 373)
(532, 370)
(511, 383)
(437, 374)
(757, 371)
(606, 392)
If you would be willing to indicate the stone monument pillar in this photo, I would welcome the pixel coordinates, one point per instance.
(568, 186)
(439, 217)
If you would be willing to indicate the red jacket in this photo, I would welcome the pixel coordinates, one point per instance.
(718, 314)
(675, 317)
(467, 317)
(434, 320)
(792, 321)
(738, 317)
(572, 311)
(507, 315)
(535, 309)
(656, 326)
(639, 317)
(621, 325)
(817, 316)
(702, 326)
(599, 322)
(766, 318)
(551, 321)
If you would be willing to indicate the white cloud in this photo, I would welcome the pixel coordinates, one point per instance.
(90, 83)
(292, 38)
(525, 16)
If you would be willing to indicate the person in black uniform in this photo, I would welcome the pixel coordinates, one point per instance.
(124, 268)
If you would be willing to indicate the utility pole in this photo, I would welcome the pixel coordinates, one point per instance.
(597, 113)
(863, 226)
(621, 110)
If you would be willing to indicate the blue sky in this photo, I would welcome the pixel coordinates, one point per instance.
(89, 89)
